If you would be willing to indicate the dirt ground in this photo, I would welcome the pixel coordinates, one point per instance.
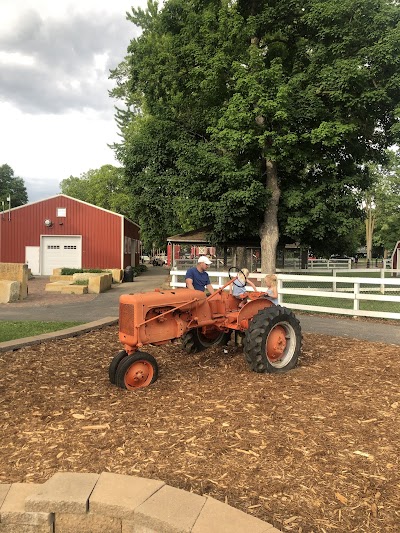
(312, 450)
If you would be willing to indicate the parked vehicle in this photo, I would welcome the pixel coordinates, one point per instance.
(271, 333)
(159, 260)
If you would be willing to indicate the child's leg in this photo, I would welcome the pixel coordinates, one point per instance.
(243, 298)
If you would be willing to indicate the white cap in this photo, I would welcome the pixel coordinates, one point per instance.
(204, 259)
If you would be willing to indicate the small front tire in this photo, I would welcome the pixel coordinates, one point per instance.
(137, 371)
(114, 365)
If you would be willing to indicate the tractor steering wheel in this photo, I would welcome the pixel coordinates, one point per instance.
(234, 274)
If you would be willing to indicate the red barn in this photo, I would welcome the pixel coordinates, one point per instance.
(65, 232)
(396, 257)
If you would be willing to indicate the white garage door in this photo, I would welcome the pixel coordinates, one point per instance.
(60, 251)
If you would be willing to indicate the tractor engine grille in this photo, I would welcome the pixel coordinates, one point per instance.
(126, 319)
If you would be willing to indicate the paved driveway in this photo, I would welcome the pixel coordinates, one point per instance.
(89, 307)
(41, 305)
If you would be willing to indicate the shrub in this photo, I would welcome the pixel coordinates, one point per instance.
(137, 270)
(70, 271)
(81, 282)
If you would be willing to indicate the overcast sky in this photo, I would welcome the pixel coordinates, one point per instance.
(56, 117)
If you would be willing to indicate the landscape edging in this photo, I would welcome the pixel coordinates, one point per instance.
(116, 503)
(16, 344)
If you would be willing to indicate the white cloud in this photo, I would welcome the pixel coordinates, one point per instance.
(56, 115)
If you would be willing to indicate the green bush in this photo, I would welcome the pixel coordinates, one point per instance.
(70, 271)
(81, 282)
(137, 270)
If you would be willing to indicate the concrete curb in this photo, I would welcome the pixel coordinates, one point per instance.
(16, 344)
(114, 503)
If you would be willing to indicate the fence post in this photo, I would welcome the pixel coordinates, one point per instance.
(356, 305)
(334, 280)
(382, 277)
(280, 295)
(174, 279)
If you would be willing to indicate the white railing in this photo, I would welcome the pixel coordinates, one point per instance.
(355, 290)
(329, 263)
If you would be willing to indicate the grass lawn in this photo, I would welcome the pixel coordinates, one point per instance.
(18, 330)
(388, 307)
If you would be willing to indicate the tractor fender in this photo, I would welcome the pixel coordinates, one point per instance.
(248, 311)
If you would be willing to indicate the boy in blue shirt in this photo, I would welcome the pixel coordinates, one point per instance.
(197, 277)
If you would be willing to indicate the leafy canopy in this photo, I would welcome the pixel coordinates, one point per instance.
(103, 187)
(12, 186)
(385, 196)
(216, 92)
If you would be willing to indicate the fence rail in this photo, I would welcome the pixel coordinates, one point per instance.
(368, 296)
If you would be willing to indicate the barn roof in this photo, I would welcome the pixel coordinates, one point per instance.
(75, 200)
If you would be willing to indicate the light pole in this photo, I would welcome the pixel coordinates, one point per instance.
(9, 206)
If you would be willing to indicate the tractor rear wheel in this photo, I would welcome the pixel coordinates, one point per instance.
(273, 340)
(136, 371)
(197, 340)
(114, 365)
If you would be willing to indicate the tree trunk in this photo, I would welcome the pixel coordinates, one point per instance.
(269, 231)
(369, 228)
(241, 257)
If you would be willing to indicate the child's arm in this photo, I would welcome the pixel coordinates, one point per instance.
(274, 292)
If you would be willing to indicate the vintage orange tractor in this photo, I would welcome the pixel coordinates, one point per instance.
(272, 334)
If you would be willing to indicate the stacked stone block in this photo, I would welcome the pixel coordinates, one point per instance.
(114, 503)
(13, 282)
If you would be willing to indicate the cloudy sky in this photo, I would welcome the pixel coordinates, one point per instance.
(56, 117)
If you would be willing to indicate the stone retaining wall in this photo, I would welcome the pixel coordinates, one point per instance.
(117, 274)
(16, 272)
(114, 503)
(9, 291)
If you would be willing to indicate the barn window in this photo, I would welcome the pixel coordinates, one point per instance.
(53, 247)
(70, 247)
(61, 211)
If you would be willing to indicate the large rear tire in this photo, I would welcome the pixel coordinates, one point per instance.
(136, 371)
(197, 340)
(273, 340)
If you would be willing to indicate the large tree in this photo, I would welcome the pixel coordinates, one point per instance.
(272, 107)
(103, 187)
(12, 187)
(383, 204)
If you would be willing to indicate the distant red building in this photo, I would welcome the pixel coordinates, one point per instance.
(64, 232)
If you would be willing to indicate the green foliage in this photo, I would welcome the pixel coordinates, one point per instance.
(104, 187)
(81, 282)
(214, 91)
(70, 271)
(137, 270)
(12, 186)
(385, 193)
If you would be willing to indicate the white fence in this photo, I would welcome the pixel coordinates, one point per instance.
(354, 290)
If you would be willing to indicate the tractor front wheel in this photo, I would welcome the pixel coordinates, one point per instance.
(273, 340)
(136, 371)
(197, 340)
(112, 369)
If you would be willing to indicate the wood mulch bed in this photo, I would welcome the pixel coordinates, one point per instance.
(312, 450)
